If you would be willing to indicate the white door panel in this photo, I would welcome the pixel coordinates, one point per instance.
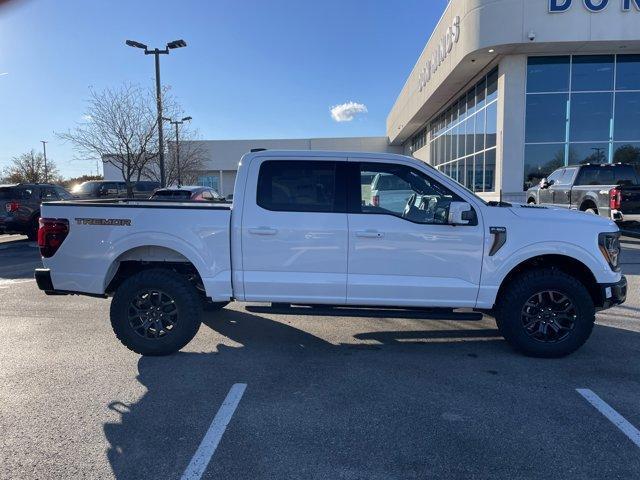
(412, 264)
(403, 252)
(293, 256)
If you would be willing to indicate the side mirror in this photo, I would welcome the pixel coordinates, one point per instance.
(460, 213)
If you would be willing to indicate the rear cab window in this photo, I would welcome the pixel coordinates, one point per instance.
(175, 194)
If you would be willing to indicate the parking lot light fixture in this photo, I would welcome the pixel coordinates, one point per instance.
(177, 44)
(156, 52)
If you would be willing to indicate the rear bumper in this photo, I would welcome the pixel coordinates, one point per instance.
(618, 216)
(613, 294)
(43, 280)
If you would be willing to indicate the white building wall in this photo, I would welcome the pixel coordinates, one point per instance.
(511, 122)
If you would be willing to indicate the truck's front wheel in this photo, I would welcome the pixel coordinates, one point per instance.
(545, 313)
(155, 312)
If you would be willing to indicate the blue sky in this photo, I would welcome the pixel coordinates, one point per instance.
(252, 68)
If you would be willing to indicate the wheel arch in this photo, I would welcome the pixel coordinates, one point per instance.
(588, 202)
(569, 265)
(145, 257)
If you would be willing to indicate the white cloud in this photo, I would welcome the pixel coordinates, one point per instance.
(3, 74)
(346, 112)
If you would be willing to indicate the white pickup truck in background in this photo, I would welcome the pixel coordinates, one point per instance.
(305, 228)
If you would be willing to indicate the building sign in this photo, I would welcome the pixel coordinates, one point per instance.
(559, 6)
(451, 37)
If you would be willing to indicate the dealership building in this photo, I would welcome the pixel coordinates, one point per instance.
(504, 92)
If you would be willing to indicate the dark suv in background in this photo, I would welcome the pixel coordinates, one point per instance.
(608, 190)
(20, 206)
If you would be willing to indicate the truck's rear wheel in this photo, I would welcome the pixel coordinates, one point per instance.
(155, 312)
(545, 313)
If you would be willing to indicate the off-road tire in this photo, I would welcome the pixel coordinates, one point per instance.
(509, 306)
(185, 298)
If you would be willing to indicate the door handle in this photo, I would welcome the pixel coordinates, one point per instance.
(369, 234)
(263, 231)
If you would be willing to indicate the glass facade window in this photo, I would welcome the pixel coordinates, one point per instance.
(548, 74)
(546, 118)
(591, 73)
(581, 109)
(462, 139)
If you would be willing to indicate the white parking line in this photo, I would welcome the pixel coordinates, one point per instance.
(605, 409)
(212, 438)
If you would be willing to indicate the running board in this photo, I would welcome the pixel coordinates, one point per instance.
(370, 312)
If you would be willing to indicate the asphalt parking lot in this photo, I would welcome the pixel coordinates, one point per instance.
(327, 396)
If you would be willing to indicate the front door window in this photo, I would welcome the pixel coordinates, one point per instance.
(403, 192)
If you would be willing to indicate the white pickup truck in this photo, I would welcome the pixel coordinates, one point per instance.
(304, 229)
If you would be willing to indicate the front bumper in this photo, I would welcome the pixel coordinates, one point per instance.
(613, 294)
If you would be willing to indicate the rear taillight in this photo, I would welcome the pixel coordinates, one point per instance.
(51, 234)
(11, 207)
(615, 198)
(375, 201)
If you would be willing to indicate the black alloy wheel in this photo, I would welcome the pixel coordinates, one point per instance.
(549, 316)
(153, 314)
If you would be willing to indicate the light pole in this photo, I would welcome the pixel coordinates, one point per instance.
(44, 147)
(599, 153)
(157, 52)
(177, 123)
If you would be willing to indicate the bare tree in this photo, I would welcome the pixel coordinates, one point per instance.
(120, 128)
(189, 165)
(29, 168)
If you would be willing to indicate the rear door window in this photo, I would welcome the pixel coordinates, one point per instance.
(608, 175)
(300, 186)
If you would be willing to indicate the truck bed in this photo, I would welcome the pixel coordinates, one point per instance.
(102, 232)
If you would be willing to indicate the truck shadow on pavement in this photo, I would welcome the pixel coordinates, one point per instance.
(326, 409)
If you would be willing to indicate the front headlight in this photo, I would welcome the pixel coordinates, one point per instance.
(609, 244)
